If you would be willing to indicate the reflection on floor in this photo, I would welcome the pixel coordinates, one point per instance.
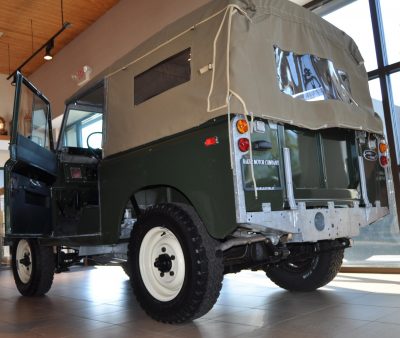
(98, 302)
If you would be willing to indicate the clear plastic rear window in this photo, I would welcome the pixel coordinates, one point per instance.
(310, 78)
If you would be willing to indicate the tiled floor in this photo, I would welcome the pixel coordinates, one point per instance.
(98, 302)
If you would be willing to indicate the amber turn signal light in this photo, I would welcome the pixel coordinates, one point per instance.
(383, 147)
(242, 126)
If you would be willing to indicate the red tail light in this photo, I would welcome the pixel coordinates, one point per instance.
(384, 161)
(244, 144)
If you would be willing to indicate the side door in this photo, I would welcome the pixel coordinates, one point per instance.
(32, 168)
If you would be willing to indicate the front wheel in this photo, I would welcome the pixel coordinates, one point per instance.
(33, 267)
(177, 271)
(307, 274)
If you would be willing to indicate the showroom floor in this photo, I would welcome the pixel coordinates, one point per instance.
(98, 302)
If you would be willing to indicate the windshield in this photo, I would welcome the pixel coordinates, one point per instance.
(84, 121)
(80, 126)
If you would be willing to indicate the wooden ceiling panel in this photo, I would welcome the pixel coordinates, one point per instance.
(15, 22)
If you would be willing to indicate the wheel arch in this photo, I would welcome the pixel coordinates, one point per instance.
(146, 196)
(161, 193)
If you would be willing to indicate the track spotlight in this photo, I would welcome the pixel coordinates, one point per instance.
(49, 47)
(14, 81)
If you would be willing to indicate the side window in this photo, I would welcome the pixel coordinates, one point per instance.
(168, 74)
(33, 118)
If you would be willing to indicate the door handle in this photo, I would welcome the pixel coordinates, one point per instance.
(261, 145)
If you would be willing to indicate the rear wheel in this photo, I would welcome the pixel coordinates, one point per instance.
(33, 267)
(177, 271)
(307, 274)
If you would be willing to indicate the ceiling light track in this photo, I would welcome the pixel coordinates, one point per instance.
(49, 44)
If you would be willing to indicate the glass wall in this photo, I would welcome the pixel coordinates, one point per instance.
(358, 26)
(375, 27)
(390, 10)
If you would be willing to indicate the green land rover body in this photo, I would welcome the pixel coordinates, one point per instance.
(241, 136)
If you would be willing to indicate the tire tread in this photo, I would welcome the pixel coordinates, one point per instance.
(43, 265)
(324, 272)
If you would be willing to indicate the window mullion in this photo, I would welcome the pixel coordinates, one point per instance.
(377, 28)
(387, 70)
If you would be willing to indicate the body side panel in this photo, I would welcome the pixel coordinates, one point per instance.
(200, 173)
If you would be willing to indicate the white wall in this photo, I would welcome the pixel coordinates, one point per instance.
(117, 32)
(4, 156)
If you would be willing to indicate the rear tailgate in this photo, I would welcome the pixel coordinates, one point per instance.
(324, 165)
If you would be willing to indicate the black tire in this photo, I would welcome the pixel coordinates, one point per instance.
(309, 274)
(202, 264)
(33, 276)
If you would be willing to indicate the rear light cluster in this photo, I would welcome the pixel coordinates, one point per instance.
(242, 127)
(383, 153)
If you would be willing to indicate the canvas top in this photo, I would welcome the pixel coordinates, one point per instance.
(266, 58)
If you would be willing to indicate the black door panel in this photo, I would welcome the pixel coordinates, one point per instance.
(34, 155)
(32, 167)
(31, 210)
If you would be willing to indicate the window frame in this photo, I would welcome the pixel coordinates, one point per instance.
(72, 103)
(24, 83)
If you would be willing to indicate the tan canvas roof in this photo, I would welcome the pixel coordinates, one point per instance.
(232, 60)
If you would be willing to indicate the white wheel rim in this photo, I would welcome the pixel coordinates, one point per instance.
(163, 283)
(23, 258)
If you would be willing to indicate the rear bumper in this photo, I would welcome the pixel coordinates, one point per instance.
(311, 225)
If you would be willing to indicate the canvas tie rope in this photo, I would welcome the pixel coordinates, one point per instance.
(231, 10)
